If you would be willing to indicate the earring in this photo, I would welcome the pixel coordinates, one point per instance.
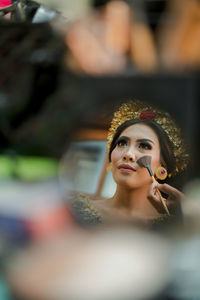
(161, 173)
(109, 168)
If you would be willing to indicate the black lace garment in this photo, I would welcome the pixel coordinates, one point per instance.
(87, 215)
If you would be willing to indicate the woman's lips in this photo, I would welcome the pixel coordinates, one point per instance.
(126, 168)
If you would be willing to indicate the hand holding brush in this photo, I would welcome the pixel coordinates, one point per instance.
(145, 162)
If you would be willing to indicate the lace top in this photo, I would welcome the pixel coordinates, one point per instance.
(88, 215)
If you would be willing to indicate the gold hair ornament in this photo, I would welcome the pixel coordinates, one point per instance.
(143, 111)
(109, 168)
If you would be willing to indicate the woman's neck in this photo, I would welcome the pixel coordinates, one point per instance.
(134, 201)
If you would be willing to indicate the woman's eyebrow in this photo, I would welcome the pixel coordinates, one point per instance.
(145, 140)
(123, 137)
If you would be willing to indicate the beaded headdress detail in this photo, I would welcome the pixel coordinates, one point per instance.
(143, 111)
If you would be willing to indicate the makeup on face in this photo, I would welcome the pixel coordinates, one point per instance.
(144, 143)
(135, 141)
(137, 138)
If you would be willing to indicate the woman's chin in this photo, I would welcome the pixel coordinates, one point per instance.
(130, 183)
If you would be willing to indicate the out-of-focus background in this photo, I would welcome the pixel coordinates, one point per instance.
(65, 66)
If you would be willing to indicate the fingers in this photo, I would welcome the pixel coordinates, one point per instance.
(172, 192)
(154, 197)
(152, 194)
(173, 201)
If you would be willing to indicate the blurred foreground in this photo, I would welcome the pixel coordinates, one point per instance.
(64, 69)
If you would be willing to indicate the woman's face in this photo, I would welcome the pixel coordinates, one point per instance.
(134, 142)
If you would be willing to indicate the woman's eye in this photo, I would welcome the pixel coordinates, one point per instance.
(122, 143)
(145, 146)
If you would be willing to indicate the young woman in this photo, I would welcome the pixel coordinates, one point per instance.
(138, 130)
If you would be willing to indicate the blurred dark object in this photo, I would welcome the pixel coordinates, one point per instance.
(26, 11)
(31, 60)
(19, 10)
(155, 10)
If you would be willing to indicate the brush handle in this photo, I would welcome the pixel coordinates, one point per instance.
(161, 198)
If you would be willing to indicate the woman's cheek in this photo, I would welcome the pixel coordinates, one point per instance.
(155, 163)
(116, 155)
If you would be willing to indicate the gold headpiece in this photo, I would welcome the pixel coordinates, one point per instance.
(143, 111)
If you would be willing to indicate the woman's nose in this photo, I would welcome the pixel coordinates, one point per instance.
(129, 156)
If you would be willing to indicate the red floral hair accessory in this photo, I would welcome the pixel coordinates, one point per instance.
(147, 115)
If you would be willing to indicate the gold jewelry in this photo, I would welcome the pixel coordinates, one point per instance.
(161, 173)
(109, 168)
(143, 111)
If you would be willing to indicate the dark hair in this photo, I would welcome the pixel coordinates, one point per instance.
(166, 148)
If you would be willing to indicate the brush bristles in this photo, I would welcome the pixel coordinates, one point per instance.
(144, 161)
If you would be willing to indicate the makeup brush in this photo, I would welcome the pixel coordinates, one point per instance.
(145, 162)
